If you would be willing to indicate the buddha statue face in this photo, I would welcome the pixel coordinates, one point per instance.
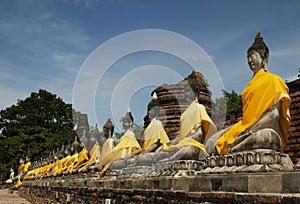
(127, 124)
(154, 112)
(258, 54)
(127, 121)
(255, 61)
(189, 93)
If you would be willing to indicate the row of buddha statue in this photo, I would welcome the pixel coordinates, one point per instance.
(264, 125)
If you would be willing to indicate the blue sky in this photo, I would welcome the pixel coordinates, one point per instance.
(44, 45)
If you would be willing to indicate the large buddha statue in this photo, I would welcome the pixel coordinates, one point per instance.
(266, 118)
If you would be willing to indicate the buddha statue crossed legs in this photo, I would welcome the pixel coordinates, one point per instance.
(266, 116)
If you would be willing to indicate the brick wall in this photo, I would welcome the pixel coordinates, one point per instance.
(293, 144)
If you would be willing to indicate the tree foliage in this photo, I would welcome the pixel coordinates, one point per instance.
(34, 126)
(137, 129)
(225, 107)
(229, 103)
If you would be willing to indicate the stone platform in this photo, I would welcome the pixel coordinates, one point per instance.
(269, 187)
(260, 176)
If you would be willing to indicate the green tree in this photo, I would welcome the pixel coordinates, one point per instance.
(234, 101)
(137, 129)
(34, 126)
(229, 104)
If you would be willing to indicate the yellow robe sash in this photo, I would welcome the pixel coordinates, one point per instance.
(154, 132)
(108, 146)
(94, 157)
(262, 92)
(127, 145)
(192, 118)
(82, 156)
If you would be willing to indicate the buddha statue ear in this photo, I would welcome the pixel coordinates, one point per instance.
(265, 66)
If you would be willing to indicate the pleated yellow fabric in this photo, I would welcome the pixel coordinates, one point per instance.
(62, 165)
(26, 167)
(127, 145)
(94, 157)
(81, 157)
(154, 132)
(108, 146)
(262, 92)
(187, 141)
(192, 118)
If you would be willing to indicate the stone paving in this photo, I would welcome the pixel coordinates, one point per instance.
(11, 198)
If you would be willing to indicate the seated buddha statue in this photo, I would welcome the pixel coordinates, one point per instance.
(79, 156)
(265, 110)
(195, 128)
(154, 135)
(128, 145)
(109, 143)
(94, 158)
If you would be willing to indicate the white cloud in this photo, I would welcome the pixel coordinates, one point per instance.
(86, 3)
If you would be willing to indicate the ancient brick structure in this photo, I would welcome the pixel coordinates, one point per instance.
(293, 144)
(172, 102)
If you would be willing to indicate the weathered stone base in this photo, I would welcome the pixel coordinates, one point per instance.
(260, 160)
(258, 176)
(272, 187)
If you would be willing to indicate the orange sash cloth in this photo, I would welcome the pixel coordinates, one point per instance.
(154, 132)
(192, 118)
(262, 92)
(21, 168)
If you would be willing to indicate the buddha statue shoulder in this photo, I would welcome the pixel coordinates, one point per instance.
(266, 117)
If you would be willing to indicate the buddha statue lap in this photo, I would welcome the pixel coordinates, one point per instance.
(266, 118)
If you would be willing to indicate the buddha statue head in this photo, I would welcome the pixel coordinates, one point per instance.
(76, 145)
(108, 129)
(154, 107)
(192, 89)
(258, 54)
(127, 120)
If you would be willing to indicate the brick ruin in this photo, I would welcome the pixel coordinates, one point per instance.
(293, 144)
